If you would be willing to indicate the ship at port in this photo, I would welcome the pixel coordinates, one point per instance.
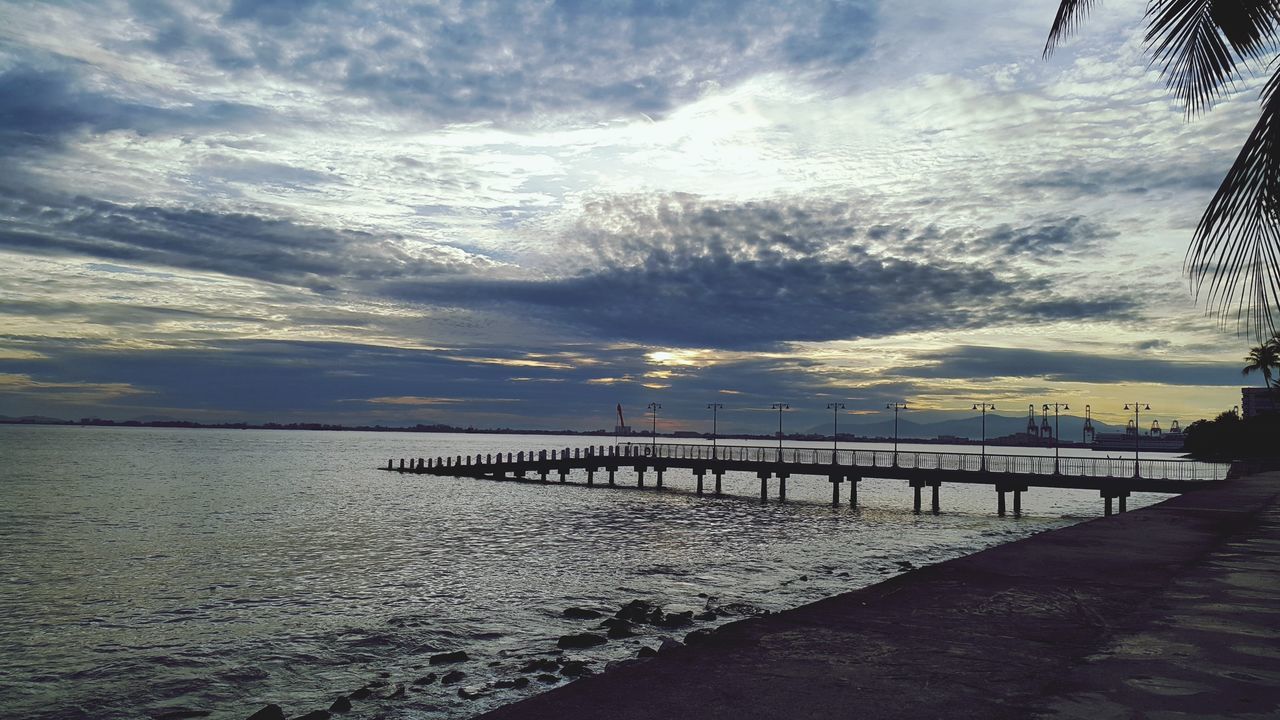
(1154, 440)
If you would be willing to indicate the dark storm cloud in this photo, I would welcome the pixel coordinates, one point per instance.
(508, 61)
(40, 107)
(1045, 241)
(987, 362)
(681, 271)
(275, 250)
(725, 303)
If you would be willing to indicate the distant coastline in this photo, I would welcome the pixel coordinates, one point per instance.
(1005, 441)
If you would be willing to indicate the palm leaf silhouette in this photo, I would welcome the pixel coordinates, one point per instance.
(1070, 14)
(1234, 257)
(1199, 44)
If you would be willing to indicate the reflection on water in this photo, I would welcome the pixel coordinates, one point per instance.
(150, 570)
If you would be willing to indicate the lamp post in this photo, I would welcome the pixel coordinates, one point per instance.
(984, 407)
(780, 407)
(835, 409)
(1056, 407)
(655, 407)
(1137, 431)
(714, 408)
(895, 406)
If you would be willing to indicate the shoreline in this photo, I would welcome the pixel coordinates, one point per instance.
(1012, 631)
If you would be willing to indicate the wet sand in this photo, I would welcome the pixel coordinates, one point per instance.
(1168, 611)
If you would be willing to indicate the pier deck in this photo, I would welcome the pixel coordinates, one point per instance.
(1113, 478)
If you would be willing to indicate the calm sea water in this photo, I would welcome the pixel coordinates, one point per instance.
(148, 572)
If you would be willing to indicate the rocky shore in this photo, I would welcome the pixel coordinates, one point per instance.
(1169, 610)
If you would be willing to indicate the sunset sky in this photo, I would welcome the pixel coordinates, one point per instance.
(523, 213)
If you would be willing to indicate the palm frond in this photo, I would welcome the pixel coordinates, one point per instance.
(1070, 13)
(1200, 43)
(1234, 257)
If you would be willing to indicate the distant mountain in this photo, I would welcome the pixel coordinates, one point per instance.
(33, 420)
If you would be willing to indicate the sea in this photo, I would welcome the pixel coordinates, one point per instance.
(179, 573)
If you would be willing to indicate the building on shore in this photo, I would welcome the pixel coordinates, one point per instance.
(1256, 401)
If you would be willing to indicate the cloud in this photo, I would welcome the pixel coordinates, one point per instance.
(684, 272)
(994, 362)
(238, 244)
(41, 107)
(510, 62)
(65, 392)
(413, 400)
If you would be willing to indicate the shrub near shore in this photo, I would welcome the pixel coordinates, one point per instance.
(1230, 437)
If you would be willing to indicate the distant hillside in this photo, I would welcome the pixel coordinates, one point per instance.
(32, 420)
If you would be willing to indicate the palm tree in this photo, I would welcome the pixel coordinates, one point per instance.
(1263, 358)
(1201, 45)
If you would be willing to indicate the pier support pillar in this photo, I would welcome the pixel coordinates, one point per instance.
(916, 486)
(853, 490)
(563, 473)
(612, 470)
(640, 476)
(543, 474)
(1017, 503)
(835, 490)
(782, 487)
(935, 508)
(764, 486)
(659, 470)
(591, 476)
(1000, 502)
(1114, 494)
(719, 475)
(700, 474)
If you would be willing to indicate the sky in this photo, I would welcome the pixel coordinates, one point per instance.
(521, 214)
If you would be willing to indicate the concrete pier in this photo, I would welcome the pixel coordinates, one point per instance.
(1114, 479)
(1168, 611)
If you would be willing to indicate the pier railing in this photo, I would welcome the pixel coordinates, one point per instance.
(1154, 469)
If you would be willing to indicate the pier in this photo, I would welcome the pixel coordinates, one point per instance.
(1113, 478)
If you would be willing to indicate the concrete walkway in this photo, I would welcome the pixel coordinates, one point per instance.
(1170, 611)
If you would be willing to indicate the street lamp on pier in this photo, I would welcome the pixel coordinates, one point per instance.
(780, 407)
(714, 408)
(1056, 407)
(984, 407)
(835, 409)
(895, 406)
(653, 440)
(1137, 431)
